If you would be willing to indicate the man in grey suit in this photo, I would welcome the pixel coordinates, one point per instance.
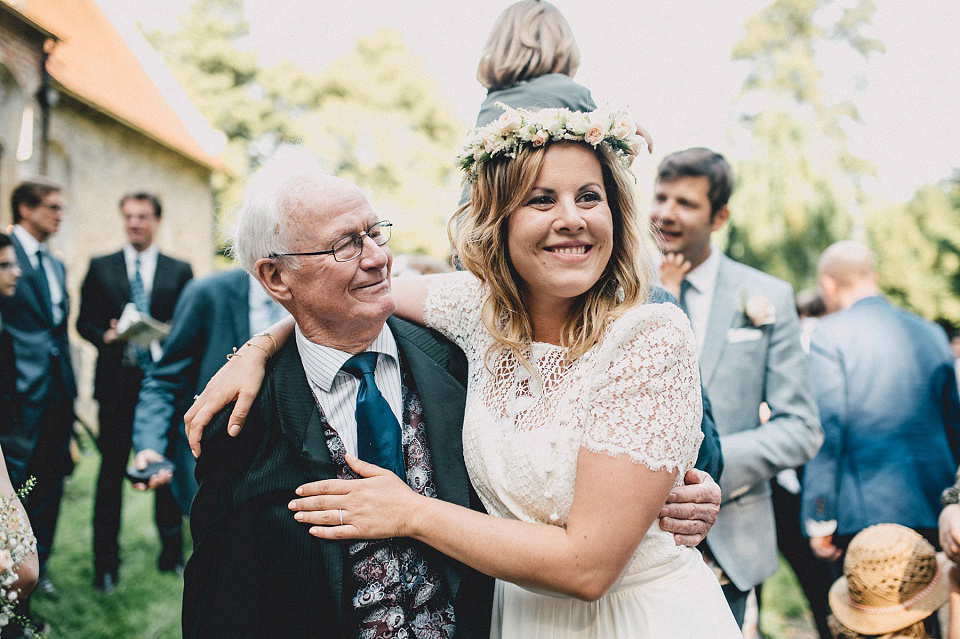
(215, 314)
(36, 317)
(749, 340)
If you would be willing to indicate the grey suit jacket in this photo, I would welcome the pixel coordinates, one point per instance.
(741, 366)
(212, 317)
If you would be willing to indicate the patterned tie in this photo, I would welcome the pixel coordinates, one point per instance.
(139, 295)
(44, 284)
(378, 432)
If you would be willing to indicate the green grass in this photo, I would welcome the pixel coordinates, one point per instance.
(145, 604)
(785, 613)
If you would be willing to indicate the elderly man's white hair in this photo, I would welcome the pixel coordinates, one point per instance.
(259, 229)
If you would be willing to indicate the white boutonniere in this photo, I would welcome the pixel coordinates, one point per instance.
(758, 310)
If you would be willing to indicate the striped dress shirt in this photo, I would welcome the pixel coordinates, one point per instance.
(336, 391)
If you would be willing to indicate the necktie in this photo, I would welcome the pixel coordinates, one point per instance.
(685, 286)
(378, 432)
(44, 284)
(139, 295)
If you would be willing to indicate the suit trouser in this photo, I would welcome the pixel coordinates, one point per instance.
(49, 463)
(115, 442)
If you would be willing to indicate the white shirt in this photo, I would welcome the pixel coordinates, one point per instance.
(264, 310)
(148, 265)
(336, 391)
(30, 246)
(699, 295)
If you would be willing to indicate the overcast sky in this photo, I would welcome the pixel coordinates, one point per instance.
(668, 61)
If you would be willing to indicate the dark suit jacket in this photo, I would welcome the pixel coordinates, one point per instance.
(42, 352)
(255, 571)
(211, 318)
(885, 384)
(105, 291)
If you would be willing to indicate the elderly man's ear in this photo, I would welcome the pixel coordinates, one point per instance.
(272, 278)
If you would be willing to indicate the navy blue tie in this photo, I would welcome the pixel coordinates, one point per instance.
(378, 432)
(685, 286)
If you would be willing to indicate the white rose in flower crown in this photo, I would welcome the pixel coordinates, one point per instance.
(577, 123)
(554, 120)
(509, 121)
(541, 138)
(760, 311)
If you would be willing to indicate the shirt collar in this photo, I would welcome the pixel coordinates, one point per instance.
(322, 363)
(29, 243)
(148, 254)
(703, 278)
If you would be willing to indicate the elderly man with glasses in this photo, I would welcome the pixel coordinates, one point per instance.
(356, 381)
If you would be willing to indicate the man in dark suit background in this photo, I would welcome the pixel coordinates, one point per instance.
(214, 315)
(36, 317)
(885, 384)
(141, 275)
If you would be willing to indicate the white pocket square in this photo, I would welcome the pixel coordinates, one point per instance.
(747, 334)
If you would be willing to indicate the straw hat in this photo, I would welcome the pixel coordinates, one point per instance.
(892, 578)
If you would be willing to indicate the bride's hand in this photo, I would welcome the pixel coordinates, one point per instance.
(376, 507)
(238, 380)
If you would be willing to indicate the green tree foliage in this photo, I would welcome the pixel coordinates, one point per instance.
(373, 117)
(918, 250)
(799, 185)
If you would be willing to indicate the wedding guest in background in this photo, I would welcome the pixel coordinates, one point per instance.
(748, 336)
(140, 274)
(215, 314)
(886, 388)
(36, 317)
(9, 403)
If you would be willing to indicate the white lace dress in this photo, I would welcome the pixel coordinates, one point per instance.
(637, 394)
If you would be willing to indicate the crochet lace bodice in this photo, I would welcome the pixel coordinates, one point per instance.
(637, 394)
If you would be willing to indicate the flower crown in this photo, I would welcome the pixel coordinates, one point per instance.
(515, 127)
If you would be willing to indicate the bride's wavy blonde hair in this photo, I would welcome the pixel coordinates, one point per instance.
(479, 235)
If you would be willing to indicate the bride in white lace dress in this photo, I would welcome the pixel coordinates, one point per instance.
(583, 403)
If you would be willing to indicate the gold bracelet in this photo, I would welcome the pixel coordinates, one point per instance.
(233, 354)
(268, 335)
(260, 347)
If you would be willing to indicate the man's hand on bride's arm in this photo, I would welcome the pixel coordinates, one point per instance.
(691, 509)
(238, 380)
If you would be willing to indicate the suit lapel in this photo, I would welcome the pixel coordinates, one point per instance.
(724, 312)
(161, 278)
(241, 308)
(300, 423)
(31, 275)
(118, 270)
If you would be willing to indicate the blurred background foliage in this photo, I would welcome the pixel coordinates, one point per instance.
(375, 116)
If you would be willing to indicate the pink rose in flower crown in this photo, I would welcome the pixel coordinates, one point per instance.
(760, 311)
(541, 138)
(594, 134)
(6, 560)
(623, 128)
(508, 122)
(490, 142)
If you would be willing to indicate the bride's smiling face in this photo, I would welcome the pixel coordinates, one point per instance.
(560, 238)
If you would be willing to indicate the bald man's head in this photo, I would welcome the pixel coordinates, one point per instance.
(848, 272)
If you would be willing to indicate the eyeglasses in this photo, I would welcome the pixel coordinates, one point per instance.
(56, 208)
(350, 246)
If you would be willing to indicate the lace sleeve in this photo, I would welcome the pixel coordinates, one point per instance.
(646, 400)
(453, 307)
